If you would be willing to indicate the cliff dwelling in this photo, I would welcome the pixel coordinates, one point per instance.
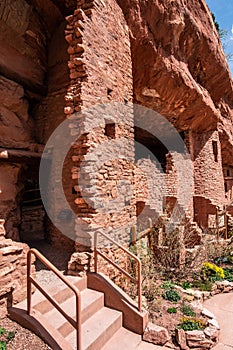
(61, 58)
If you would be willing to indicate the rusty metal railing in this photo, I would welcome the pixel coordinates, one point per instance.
(30, 280)
(138, 280)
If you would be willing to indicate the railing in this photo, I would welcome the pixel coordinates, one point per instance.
(30, 280)
(137, 280)
(145, 233)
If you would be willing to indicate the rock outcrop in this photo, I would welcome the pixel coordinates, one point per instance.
(179, 67)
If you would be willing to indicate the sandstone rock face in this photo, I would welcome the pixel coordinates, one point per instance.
(178, 61)
(12, 271)
(16, 127)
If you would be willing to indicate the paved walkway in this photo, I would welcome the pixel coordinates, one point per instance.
(222, 307)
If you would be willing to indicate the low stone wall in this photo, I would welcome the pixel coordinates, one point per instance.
(13, 271)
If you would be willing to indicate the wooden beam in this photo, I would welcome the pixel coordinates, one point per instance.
(18, 155)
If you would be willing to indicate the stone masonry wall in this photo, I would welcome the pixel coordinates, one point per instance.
(101, 73)
(208, 175)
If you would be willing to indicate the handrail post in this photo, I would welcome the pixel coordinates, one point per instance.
(139, 286)
(134, 235)
(95, 252)
(78, 323)
(151, 234)
(29, 284)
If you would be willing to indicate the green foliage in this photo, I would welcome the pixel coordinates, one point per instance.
(228, 274)
(204, 286)
(172, 310)
(187, 310)
(3, 345)
(167, 285)
(5, 338)
(212, 272)
(224, 36)
(2, 331)
(186, 285)
(191, 324)
(215, 22)
(172, 295)
(10, 336)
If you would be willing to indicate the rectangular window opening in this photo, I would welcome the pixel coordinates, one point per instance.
(215, 150)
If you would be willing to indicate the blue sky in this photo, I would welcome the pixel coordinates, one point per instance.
(223, 11)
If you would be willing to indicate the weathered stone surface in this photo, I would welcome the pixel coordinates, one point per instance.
(195, 335)
(12, 272)
(156, 334)
(212, 333)
(207, 313)
(214, 323)
(181, 338)
(193, 67)
(202, 344)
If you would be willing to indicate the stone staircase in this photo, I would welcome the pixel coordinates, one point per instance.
(102, 326)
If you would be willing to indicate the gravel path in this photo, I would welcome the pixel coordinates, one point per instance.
(57, 257)
(24, 339)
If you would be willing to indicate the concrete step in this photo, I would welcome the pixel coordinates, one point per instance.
(102, 326)
(60, 294)
(98, 329)
(91, 302)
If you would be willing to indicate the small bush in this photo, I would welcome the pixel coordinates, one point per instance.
(228, 274)
(167, 285)
(212, 272)
(5, 337)
(204, 286)
(187, 310)
(172, 310)
(172, 295)
(2, 331)
(191, 324)
(3, 345)
(186, 285)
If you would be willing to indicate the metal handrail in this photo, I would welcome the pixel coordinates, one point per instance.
(137, 280)
(30, 280)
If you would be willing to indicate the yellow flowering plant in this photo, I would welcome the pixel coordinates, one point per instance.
(212, 272)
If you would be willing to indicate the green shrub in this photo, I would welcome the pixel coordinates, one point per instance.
(186, 285)
(172, 295)
(187, 310)
(191, 324)
(2, 331)
(172, 310)
(204, 286)
(5, 338)
(228, 274)
(167, 285)
(212, 272)
(3, 345)
(10, 336)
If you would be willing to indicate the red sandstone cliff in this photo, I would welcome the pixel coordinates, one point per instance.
(179, 67)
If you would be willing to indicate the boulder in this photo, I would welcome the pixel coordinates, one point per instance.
(156, 334)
